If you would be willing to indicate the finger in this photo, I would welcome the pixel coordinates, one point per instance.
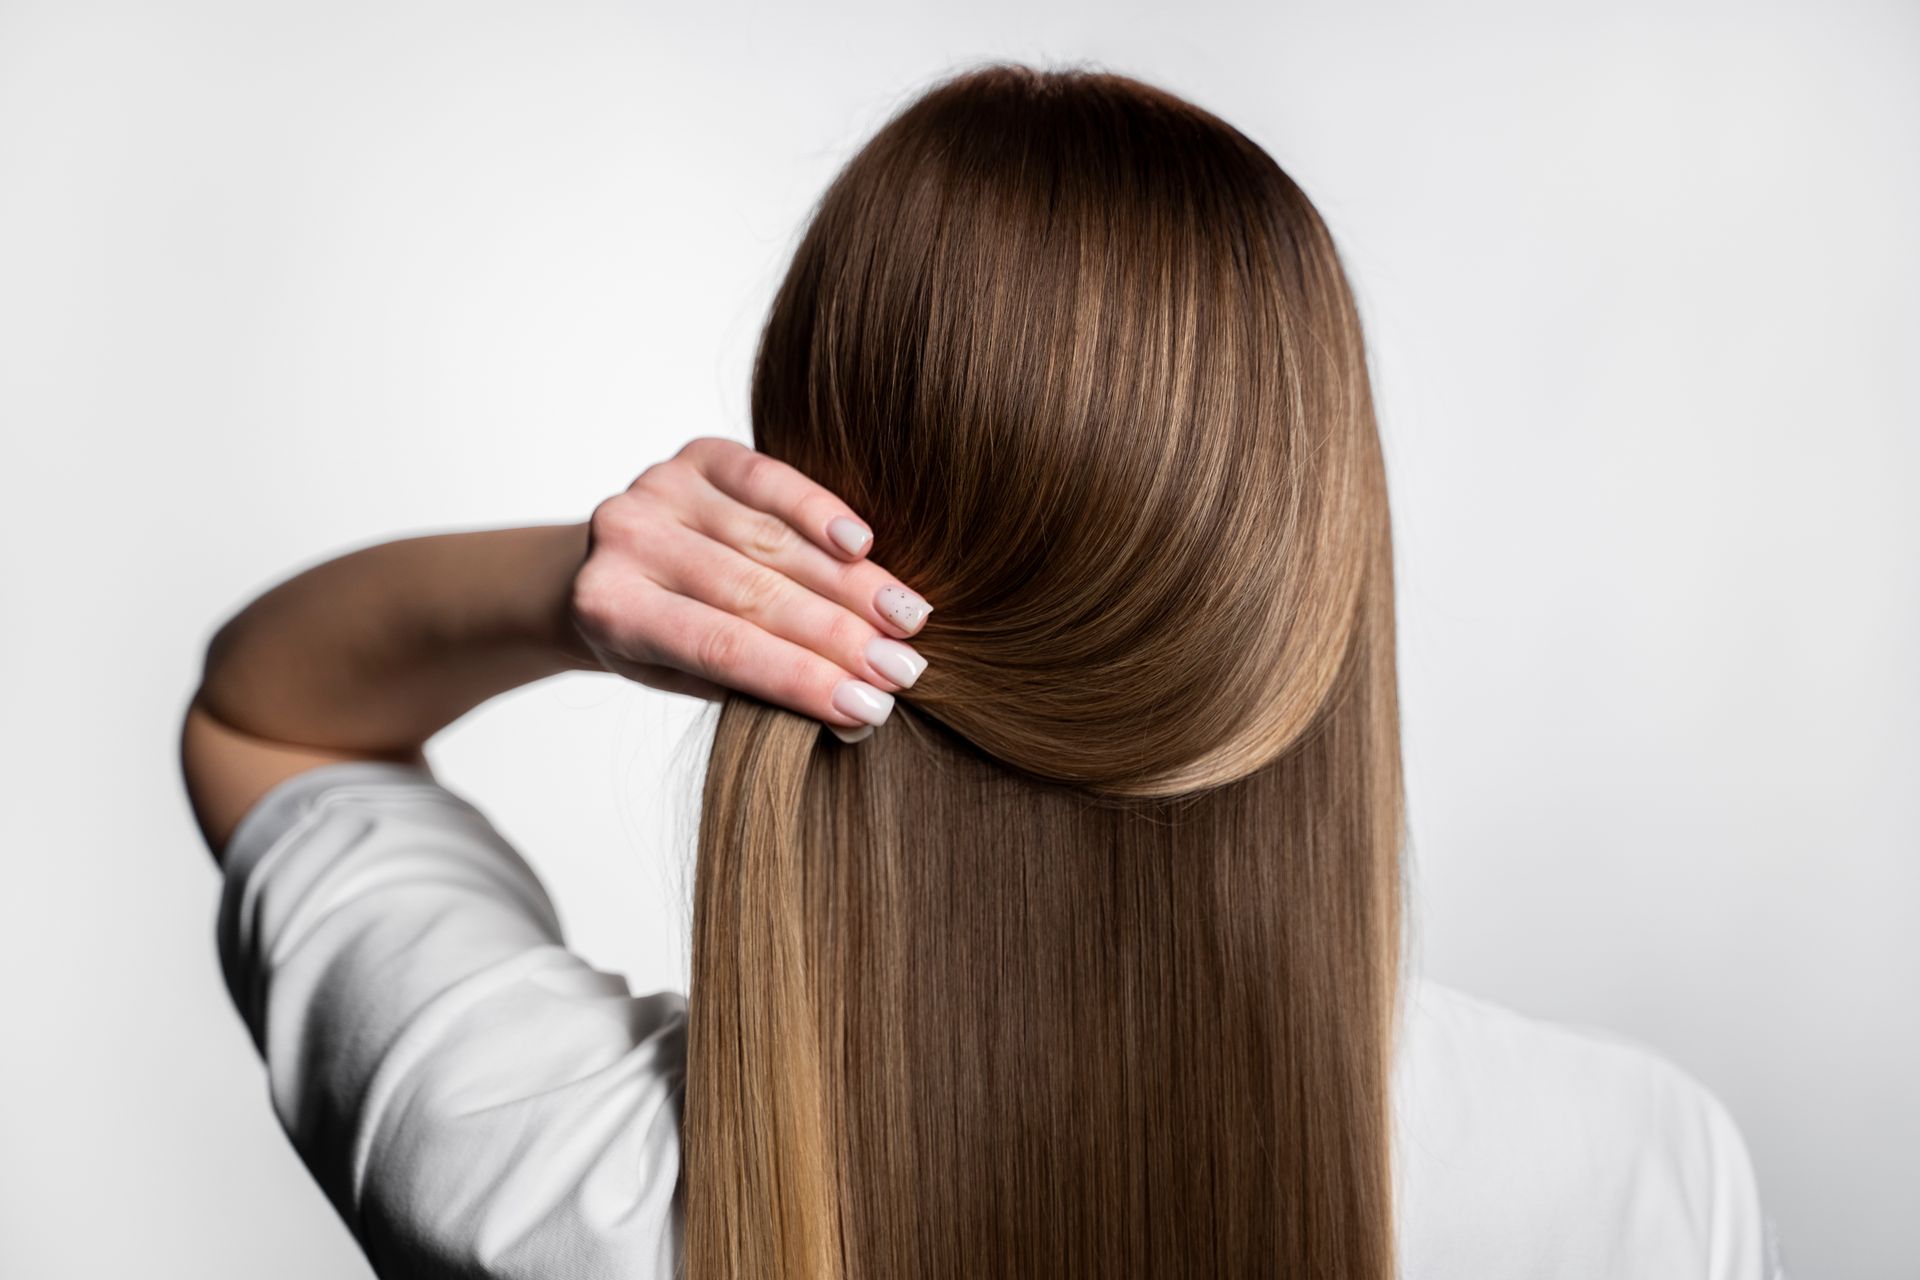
(860, 586)
(767, 484)
(714, 645)
(668, 680)
(715, 574)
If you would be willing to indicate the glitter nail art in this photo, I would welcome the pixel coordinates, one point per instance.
(902, 607)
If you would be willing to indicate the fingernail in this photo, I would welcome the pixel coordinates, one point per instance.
(902, 607)
(861, 734)
(862, 701)
(897, 662)
(849, 534)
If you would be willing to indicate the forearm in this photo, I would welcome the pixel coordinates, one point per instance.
(378, 650)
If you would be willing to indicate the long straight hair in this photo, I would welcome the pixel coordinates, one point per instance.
(1085, 964)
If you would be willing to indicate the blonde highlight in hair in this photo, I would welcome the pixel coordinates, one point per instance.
(1086, 963)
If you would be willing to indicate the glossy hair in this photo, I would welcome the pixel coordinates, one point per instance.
(1085, 963)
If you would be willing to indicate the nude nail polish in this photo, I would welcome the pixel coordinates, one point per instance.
(862, 701)
(897, 662)
(849, 535)
(861, 734)
(901, 607)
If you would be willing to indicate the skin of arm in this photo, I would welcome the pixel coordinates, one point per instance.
(367, 656)
(717, 569)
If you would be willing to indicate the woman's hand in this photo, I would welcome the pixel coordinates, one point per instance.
(718, 569)
(723, 568)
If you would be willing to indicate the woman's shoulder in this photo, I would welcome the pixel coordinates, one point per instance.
(1526, 1146)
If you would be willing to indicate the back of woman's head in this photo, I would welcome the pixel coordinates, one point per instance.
(1083, 964)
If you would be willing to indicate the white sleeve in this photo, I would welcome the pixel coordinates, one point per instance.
(474, 1099)
(1741, 1235)
(1694, 1193)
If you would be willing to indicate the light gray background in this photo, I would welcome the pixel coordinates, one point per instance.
(1641, 283)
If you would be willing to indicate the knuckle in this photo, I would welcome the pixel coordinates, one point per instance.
(659, 478)
(753, 590)
(815, 509)
(594, 602)
(847, 634)
(756, 473)
(702, 451)
(719, 649)
(858, 580)
(800, 678)
(768, 535)
(588, 602)
(611, 519)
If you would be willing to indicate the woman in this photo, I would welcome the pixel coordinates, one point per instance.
(1088, 963)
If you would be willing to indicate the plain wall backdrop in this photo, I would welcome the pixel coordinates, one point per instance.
(1643, 294)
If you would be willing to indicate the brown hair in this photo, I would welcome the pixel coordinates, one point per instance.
(1085, 963)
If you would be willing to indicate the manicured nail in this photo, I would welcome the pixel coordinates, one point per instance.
(851, 536)
(897, 662)
(862, 701)
(861, 734)
(902, 607)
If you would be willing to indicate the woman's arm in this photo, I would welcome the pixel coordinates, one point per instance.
(369, 655)
(685, 582)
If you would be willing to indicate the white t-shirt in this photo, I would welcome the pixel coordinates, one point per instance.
(477, 1100)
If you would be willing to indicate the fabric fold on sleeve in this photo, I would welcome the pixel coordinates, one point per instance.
(473, 1097)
